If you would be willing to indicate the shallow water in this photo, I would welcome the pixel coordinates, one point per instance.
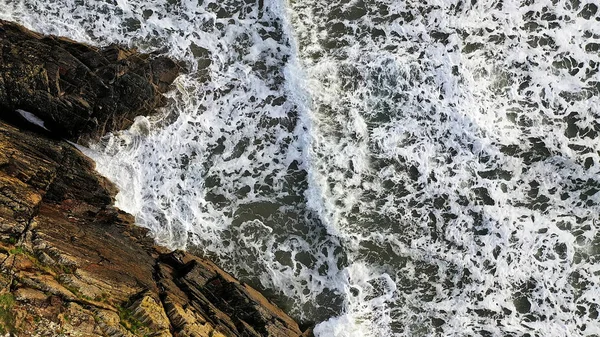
(379, 167)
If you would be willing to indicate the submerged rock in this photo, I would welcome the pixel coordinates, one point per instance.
(70, 262)
(80, 92)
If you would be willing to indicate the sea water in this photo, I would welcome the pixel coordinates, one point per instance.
(378, 167)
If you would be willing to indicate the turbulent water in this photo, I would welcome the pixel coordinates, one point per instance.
(379, 167)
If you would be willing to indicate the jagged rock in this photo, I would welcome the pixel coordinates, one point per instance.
(186, 322)
(79, 91)
(85, 289)
(47, 284)
(231, 307)
(109, 323)
(30, 295)
(79, 321)
(151, 313)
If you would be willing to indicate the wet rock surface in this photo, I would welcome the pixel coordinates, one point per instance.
(80, 92)
(71, 264)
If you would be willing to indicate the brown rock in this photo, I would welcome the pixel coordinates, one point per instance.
(231, 307)
(47, 284)
(79, 321)
(150, 312)
(30, 295)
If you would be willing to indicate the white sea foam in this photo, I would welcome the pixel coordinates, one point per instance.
(472, 167)
(382, 167)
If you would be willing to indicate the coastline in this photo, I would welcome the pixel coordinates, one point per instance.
(72, 263)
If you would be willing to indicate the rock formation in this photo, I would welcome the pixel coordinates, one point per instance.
(79, 91)
(71, 264)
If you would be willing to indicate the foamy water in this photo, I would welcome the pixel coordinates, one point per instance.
(381, 168)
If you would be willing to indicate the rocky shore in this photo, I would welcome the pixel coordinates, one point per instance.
(71, 264)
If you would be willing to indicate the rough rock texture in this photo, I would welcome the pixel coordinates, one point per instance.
(79, 91)
(71, 264)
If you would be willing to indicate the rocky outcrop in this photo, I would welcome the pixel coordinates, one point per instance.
(79, 91)
(71, 264)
